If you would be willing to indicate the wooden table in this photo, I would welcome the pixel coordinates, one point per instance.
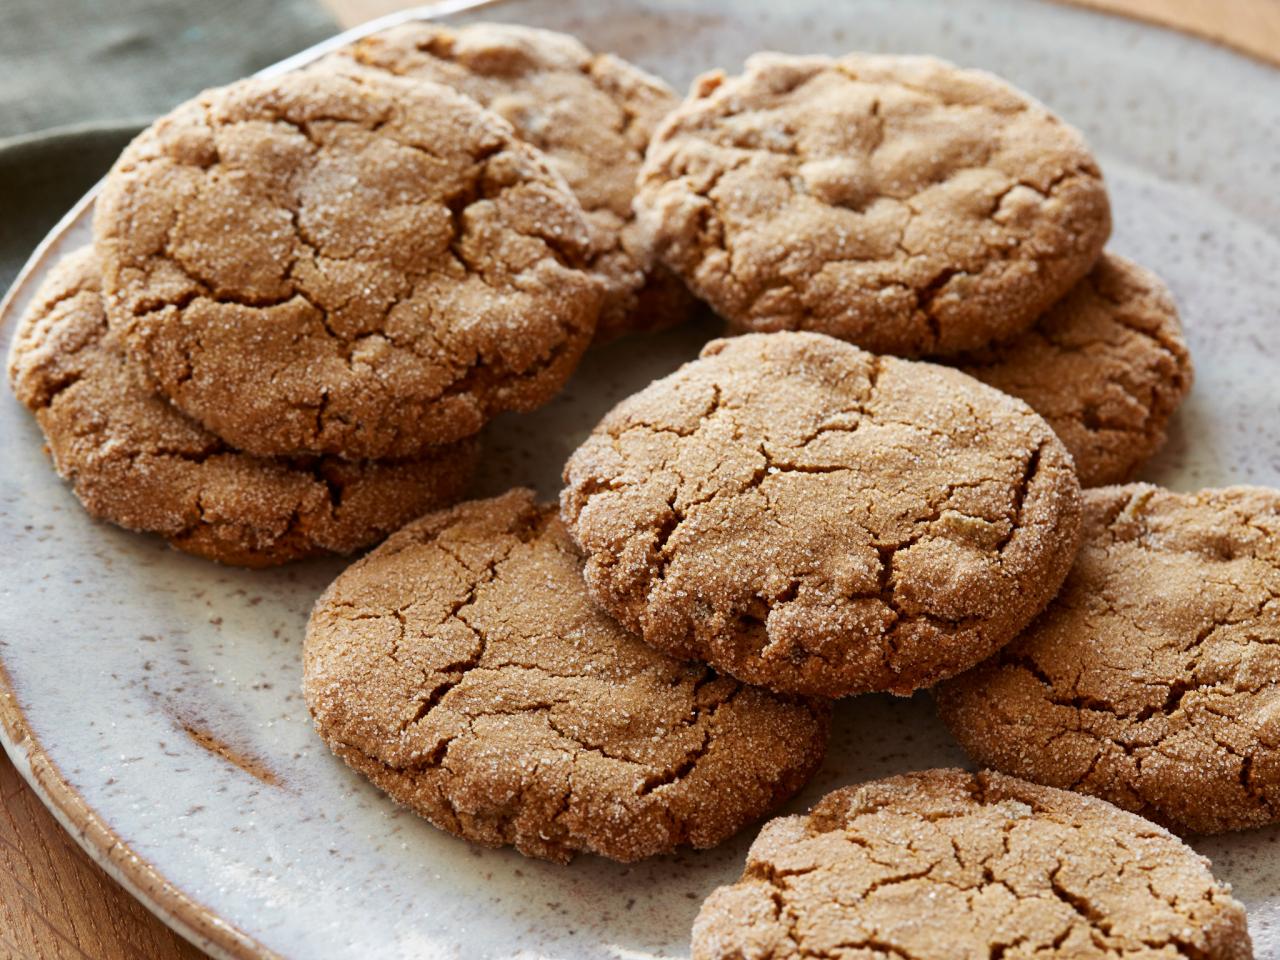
(56, 903)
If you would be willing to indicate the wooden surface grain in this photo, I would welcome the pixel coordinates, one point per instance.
(55, 903)
(1250, 26)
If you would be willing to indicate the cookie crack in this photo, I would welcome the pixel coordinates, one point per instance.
(1030, 473)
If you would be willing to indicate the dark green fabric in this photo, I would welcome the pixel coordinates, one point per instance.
(92, 61)
(42, 176)
(78, 78)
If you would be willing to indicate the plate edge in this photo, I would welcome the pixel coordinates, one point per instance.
(174, 907)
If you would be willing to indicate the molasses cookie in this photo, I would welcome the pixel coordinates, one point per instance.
(1153, 679)
(1106, 366)
(323, 264)
(136, 461)
(900, 203)
(947, 865)
(816, 519)
(463, 669)
(592, 114)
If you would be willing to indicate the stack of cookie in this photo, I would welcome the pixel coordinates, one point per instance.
(307, 295)
(137, 460)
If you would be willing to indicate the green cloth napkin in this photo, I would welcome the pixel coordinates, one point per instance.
(80, 77)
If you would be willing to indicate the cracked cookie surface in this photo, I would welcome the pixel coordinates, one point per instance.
(1153, 679)
(808, 516)
(323, 264)
(591, 114)
(463, 669)
(948, 865)
(1106, 366)
(136, 461)
(900, 203)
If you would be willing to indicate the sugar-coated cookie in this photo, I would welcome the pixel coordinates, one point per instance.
(900, 203)
(463, 669)
(1106, 366)
(948, 865)
(814, 518)
(1153, 679)
(325, 264)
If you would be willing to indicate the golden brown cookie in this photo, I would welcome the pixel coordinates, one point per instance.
(322, 264)
(1153, 679)
(1106, 366)
(816, 519)
(900, 203)
(463, 669)
(948, 865)
(592, 114)
(136, 461)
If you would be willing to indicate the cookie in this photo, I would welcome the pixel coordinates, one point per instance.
(948, 865)
(134, 460)
(592, 114)
(320, 264)
(462, 668)
(1153, 680)
(1106, 366)
(900, 203)
(814, 518)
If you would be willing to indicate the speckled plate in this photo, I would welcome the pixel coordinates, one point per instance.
(152, 699)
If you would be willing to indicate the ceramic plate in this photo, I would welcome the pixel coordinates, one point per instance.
(153, 698)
